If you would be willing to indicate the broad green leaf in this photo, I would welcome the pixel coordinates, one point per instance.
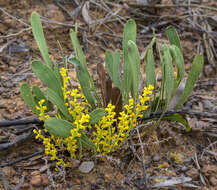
(38, 34)
(179, 61)
(129, 34)
(134, 61)
(56, 100)
(160, 98)
(168, 73)
(109, 63)
(96, 115)
(112, 66)
(57, 74)
(84, 81)
(79, 54)
(116, 63)
(47, 76)
(26, 94)
(58, 127)
(150, 65)
(39, 95)
(61, 128)
(196, 69)
(179, 118)
(173, 37)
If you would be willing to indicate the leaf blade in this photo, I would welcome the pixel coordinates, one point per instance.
(46, 75)
(196, 69)
(26, 94)
(38, 34)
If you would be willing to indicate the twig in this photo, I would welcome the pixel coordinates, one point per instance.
(198, 168)
(148, 144)
(192, 113)
(206, 149)
(22, 158)
(16, 34)
(110, 158)
(143, 162)
(20, 184)
(16, 140)
(20, 122)
(166, 6)
(49, 174)
(5, 12)
(4, 180)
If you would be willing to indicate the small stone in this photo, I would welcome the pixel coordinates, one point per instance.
(156, 158)
(45, 180)
(184, 168)
(36, 181)
(193, 173)
(86, 167)
(213, 181)
(170, 173)
(12, 69)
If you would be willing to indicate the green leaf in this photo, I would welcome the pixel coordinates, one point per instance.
(129, 34)
(79, 54)
(57, 74)
(179, 61)
(96, 115)
(116, 63)
(47, 76)
(150, 65)
(38, 34)
(58, 127)
(109, 63)
(61, 128)
(173, 37)
(112, 66)
(39, 95)
(196, 69)
(134, 61)
(55, 99)
(84, 81)
(168, 73)
(179, 118)
(26, 94)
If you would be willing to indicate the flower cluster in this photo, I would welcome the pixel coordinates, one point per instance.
(103, 137)
(108, 134)
(50, 148)
(78, 108)
(41, 108)
(109, 138)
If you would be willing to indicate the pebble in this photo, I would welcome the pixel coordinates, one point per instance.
(36, 180)
(208, 105)
(45, 180)
(86, 167)
(156, 158)
(184, 168)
